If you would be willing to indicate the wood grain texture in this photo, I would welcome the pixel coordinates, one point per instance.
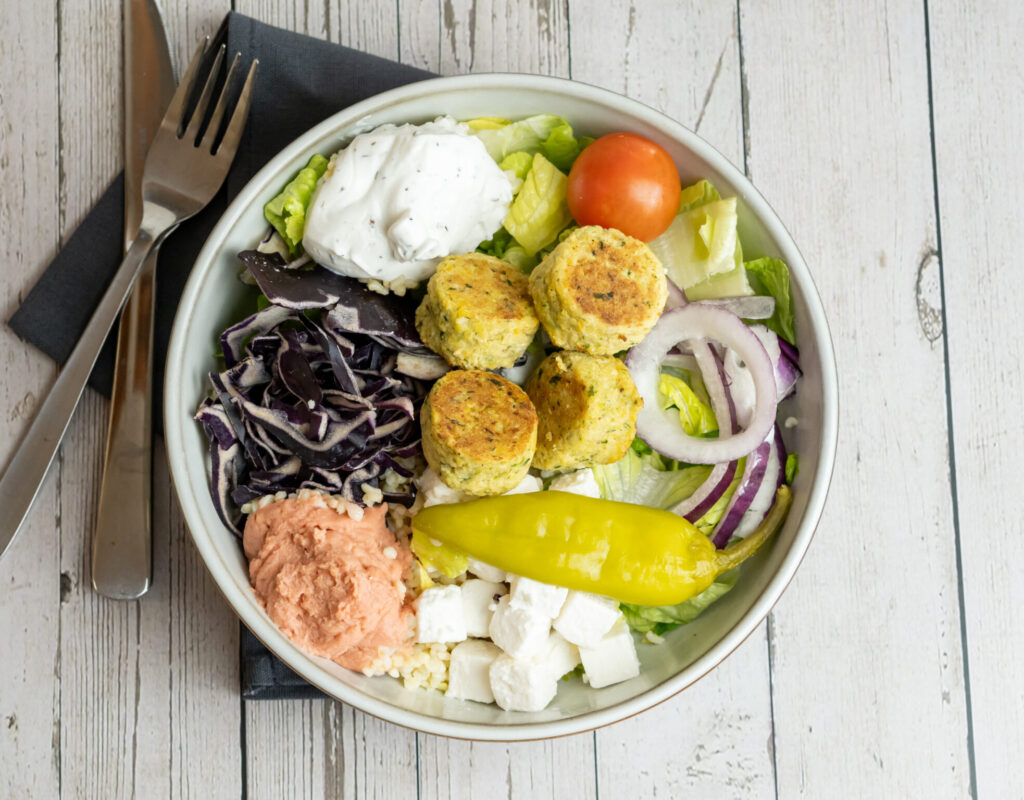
(30, 582)
(867, 665)
(720, 729)
(977, 117)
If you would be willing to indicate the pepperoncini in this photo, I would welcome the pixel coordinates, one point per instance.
(631, 553)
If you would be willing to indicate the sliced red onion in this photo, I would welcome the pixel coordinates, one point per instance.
(750, 482)
(764, 498)
(676, 297)
(756, 307)
(660, 427)
(742, 384)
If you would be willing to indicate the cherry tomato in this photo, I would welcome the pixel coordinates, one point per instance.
(625, 181)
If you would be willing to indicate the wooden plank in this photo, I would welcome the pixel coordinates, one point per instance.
(721, 728)
(867, 668)
(151, 661)
(976, 83)
(29, 574)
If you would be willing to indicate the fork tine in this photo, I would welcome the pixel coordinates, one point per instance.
(192, 132)
(176, 109)
(233, 134)
(218, 110)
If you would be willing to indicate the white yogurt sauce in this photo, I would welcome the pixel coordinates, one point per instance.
(399, 198)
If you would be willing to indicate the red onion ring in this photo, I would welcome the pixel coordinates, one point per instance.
(660, 427)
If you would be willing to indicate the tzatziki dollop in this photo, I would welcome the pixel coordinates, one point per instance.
(398, 199)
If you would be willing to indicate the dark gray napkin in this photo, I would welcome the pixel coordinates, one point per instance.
(302, 81)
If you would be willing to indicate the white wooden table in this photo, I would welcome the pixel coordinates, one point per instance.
(887, 134)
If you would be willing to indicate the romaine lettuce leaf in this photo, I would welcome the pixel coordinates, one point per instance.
(540, 211)
(770, 276)
(561, 147)
(659, 619)
(487, 123)
(287, 211)
(727, 284)
(527, 134)
(700, 243)
(699, 194)
(697, 418)
(518, 162)
(636, 478)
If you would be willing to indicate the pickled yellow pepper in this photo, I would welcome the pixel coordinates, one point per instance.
(631, 553)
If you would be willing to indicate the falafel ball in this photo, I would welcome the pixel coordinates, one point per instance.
(479, 431)
(599, 291)
(587, 406)
(478, 312)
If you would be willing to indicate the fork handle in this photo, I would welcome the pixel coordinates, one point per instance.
(122, 561)
(26, 470)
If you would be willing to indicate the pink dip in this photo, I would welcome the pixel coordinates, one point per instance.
(327, 580)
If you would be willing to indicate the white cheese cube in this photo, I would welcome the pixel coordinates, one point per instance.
(613, 659)
(479, 600)
(527, 485)
(585, 618)
(581, 482)
(437, 492)
(540, 597)
(439, 616)
(486, 571)
(519, 631)
(559, 655)
(469, 671)
(522, 684)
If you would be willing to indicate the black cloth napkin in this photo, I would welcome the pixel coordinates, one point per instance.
(301, 82)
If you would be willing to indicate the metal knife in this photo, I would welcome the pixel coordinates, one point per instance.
(122, 562)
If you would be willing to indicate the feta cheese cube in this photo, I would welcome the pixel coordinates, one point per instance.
(540, 597)
(559, 655)
(527, 485)
(486, 571)
(580, 482)
(437, 492)
(469, 671)
(479, 599)
(522, 684)
(519, 631)
(439, 616)
(585, 618)
(613, 659)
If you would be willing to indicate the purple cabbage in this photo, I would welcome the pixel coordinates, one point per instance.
(309, 400)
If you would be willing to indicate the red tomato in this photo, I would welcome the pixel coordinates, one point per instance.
(625, 181)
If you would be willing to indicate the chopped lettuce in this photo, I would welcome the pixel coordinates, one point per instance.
(446, 560)
(770, 276)
(540, 211)
(561, 147)
(639, 479)
(660, 619)
(727, 284)
(518, 163)
(528, 134)
(699, 194)
(696, 417)
(487, 123)
(287, 211)
(700, 243)
(792, 467)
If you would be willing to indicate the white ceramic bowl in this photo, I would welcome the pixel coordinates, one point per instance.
(210, 303)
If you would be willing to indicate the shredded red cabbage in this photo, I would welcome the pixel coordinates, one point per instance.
(310, 400)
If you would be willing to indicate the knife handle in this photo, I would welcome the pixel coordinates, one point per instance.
(122, 561)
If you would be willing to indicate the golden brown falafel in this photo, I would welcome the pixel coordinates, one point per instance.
(479, 431)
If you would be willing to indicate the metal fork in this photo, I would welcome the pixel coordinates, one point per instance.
(181, 175)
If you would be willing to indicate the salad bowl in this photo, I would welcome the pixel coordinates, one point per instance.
(214, 296)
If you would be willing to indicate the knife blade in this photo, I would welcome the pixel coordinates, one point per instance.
(122, 542)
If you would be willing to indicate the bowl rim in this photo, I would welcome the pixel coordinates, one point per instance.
(512, 731)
